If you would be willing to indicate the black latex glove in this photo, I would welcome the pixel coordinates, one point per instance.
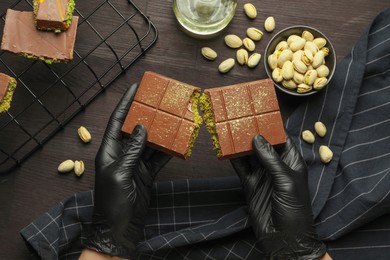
(276, 190)
(125, 171)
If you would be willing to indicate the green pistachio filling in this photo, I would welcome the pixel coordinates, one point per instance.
(208, 116)
(6, 104)
(197, 119)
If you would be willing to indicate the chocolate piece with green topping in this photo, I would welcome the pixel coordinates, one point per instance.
(20, 36)
(7, 87)
(53, 15)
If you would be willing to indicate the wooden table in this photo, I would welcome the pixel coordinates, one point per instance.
(30, 190)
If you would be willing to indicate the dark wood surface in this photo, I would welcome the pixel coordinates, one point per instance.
(30, 190)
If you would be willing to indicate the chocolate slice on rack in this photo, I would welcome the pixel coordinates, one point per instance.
(53, 15)
(235, 114)
(7, 87)
(20, 36)
(169, 110)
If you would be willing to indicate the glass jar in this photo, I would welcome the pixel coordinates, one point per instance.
(204, 18)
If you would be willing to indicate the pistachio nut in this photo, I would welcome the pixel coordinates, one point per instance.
(242, 56)
(310, 67)
(250, 10)
(254, 59)
(309, 77)
(226, 65)
(285, 55)
(325, 50)
(297, 55)
(303, 88)
(292, 38)
(277, 75)
(273, 61)
(320, 42)
(84, 134)
(254, 33)
(269, 24)
(326, 154)
(311, 47)
(66, 166)
(318, 59)
(249, 44)
(320, 128)
(281, 46)
(308, 36)
(233, 41)
(307, 57)
(319, 83)
(308, 136)
(288, 70)
(297, 44)
(209, 53)
(79, 168)
(289, 84)
(298, 77)
(323, 71)
(299, 66)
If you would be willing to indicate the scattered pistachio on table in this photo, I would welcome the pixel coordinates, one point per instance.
(226, 65)
(253, 60)
(233, 41)
(84, 134)
(242, 56)
(209, 53)
(250, 10)
(66, 166)
(269, 24)
(79, 168)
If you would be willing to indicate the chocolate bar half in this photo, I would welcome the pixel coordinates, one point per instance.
(53, 15)
(7, 87)
(169, 110)
(20, 36)
(235, 114)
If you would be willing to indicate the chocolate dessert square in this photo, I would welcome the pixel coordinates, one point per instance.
(53, 15)
(235, 114)
(20, 36)
(168, 110)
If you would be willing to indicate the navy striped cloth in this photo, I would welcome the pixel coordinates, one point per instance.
(355, 187)
(208, 219)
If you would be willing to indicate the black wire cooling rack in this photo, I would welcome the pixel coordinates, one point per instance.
(109, 40)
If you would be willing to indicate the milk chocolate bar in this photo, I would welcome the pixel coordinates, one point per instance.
(235, 114)
(169, 110)
(7, 87)
(53, 15)
(20, 36)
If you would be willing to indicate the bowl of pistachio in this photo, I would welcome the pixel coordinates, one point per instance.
(300, 60)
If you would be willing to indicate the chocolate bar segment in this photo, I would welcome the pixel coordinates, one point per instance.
(168, 110)
(20, 36)
(235, 114)
(7, 87)
(53, 15)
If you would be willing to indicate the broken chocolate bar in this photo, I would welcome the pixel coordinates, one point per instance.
(20, 36)
(53, 15)
(169, 111)
(7, 87)
(235, 114)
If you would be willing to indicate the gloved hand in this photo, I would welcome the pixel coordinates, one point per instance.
(125, 171)
(277, 194)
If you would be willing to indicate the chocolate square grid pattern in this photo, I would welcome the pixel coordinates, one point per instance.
(164, 107)
(243, 110)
